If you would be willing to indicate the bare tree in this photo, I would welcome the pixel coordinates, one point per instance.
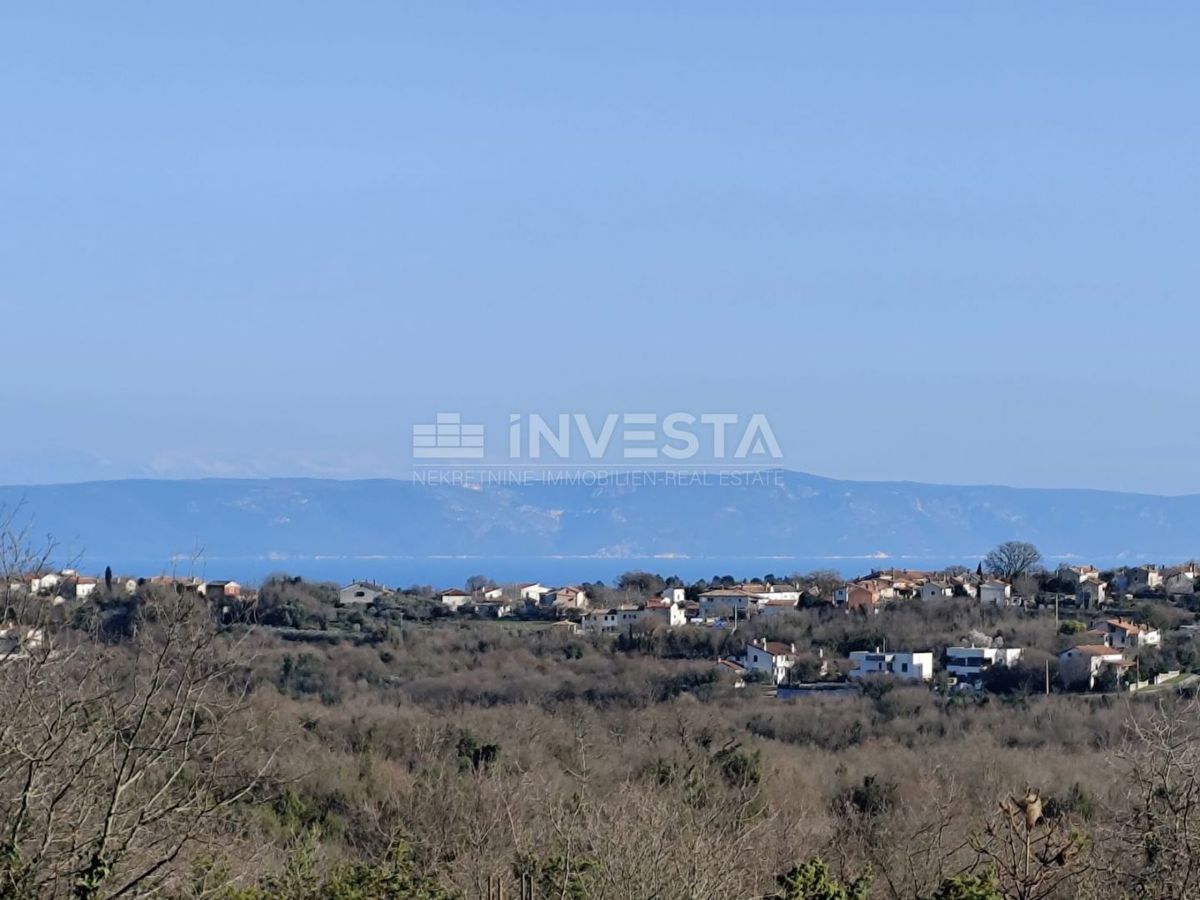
(477, 583)
(116, 758)
(1026, 586)
(1154, 840)
(1012, 559)
(1032, 856)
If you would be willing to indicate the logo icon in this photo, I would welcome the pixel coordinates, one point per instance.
(449, 438)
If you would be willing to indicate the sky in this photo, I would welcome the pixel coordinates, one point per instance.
(934, 242)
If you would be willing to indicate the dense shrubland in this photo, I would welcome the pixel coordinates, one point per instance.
(153, 745)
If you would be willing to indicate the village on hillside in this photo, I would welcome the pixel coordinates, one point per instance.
(1103, 627)
(1103, 652)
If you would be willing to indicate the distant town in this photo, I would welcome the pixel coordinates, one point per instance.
(1124, 629)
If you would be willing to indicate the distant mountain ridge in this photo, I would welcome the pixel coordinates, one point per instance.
(796, 514)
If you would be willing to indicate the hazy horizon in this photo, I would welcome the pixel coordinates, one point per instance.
(406, 477)
(936, 245)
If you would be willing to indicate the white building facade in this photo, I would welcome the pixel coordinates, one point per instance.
(972, 663)
(909, 666)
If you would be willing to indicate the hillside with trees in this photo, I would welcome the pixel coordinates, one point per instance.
(161, 744)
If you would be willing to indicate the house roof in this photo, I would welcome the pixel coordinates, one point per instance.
(455, 592)
(1126, 625)
(760, 587)
(1094, 650)
(775, 648)
(900, 579)
(868, 584)
(1187, 569)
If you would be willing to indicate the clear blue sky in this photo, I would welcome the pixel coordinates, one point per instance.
(955, 243)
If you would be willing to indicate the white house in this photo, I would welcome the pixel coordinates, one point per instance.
(936, 590)
(764, 591)
(531, 591)
(622, 618)
(673, 595)
(724, 602)
(85, 586)
(1123, 634)
(911, 666)
(773, 658)
(361, 593)
(497, 608)
(971, 663)
(995, 591)
(1084, 663)
(611, 621)
(494, 593)
(44, 584)
(669, 609)
(454, 599)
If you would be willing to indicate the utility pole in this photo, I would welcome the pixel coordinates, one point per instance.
(1047, 678)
